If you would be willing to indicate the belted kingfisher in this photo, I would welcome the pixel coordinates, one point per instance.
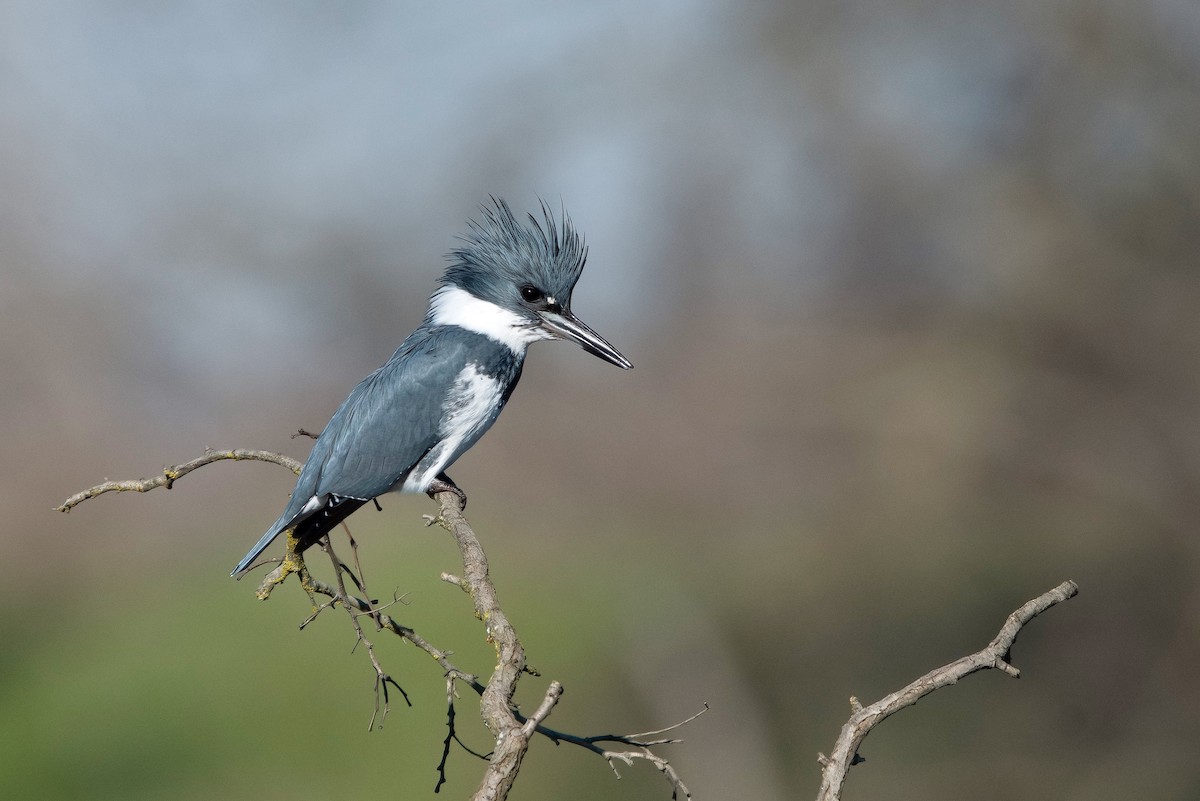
(508, 285)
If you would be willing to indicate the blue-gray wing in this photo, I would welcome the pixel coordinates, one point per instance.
(388, 422)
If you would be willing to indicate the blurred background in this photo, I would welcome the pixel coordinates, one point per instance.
(912, 293)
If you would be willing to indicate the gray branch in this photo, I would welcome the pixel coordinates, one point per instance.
(512, 735)
(512, 730)
(170, 474)
(865, 718)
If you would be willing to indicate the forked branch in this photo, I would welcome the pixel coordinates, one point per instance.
(511, 729)
(864, 718)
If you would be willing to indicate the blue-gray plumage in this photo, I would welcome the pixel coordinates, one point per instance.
(508, 285)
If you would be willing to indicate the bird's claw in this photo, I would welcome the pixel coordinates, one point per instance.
(443, 484)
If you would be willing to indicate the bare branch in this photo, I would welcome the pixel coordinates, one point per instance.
(496, 701)
(170, 474)
(382, 678)
(864, 718)
(452, 734)
(640, 749)
(511, 729)
(553, 693)
(404, 632)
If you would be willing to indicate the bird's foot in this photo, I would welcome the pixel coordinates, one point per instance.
(443, 484)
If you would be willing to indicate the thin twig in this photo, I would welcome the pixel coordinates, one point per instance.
(640, 749)
(864, 718)
(171, 474)
(382, 678)
(511, 729)
(452, 734)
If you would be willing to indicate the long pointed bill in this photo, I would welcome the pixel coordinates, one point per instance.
(564, 325)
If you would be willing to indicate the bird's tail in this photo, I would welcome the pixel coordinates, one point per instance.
(309, 526)
(258, 548)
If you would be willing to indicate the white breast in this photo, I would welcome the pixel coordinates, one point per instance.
(451, 305)
(470, 408)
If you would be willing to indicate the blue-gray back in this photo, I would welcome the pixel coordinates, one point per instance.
(392, 418)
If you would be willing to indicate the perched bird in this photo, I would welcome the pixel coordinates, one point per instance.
(508, 285)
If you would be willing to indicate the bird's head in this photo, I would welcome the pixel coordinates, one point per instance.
(513, 280)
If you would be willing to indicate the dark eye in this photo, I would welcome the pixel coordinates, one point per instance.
(531, 293)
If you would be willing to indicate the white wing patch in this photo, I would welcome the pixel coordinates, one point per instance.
(312, 505)
(451, 305)
(469, 408)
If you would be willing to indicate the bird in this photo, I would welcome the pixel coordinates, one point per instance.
(507, 285)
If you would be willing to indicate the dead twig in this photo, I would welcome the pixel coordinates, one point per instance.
(452, 733)
(496, 707)
(640, 749)
(382, 677)
(864, 718)
(171, 474)
(511, 729)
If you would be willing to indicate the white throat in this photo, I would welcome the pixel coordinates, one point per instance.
(451, 305)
